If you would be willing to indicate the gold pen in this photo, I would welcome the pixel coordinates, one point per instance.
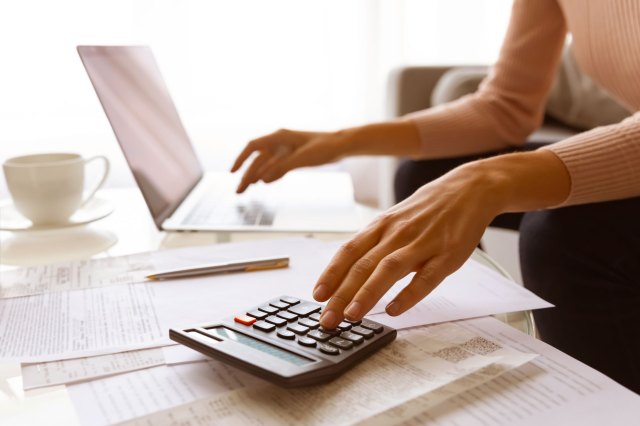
(249, 265)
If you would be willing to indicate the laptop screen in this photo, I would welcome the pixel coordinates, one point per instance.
(146, 123)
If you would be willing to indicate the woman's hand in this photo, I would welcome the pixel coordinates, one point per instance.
(285, 150)
(433, 232)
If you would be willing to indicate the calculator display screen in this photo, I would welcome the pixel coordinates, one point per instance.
(261, 346)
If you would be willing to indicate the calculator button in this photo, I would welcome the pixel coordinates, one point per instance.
(298, 329)
(331, 332)
(276, 321)
(287, 315)
(244, 319)
(341, 343)
(307, 322)
(319, 335)
(264, 326)
(304, 309)
(344, 326)
(315, 316)
(328, 349)
(279, 305)
(286, 334)
(355, 338)
(372, 326)
(353, 322)
(268, 309)
(258, 314)
(305, 341)
(290, 300)
(367, 333)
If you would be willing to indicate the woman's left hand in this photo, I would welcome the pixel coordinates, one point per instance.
(431, 233)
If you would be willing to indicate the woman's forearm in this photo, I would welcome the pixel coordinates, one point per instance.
(398, 138)
(522, 182)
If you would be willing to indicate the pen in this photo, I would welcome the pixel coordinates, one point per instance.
(248, 265)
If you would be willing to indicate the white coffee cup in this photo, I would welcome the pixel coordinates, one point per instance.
(48, 188)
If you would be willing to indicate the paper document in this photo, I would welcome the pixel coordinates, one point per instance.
(82, 369)
(91, 321)
(75, 275)
(126, 396)
(419, 361)
(179, 354)
(553, 389)
(472, 291)
(70, 324)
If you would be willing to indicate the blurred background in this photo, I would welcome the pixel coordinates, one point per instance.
(236, 70)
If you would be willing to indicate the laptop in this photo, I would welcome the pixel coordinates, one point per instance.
(178, 193)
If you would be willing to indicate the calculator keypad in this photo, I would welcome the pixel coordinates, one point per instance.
(299, 321)
(286, 334)
(365, 332)
(305, 309)
(258, 314)
(268, 309)
(341, 343)
(277, 321)
(308, 322)
(298, 329)
(264, 326)
(305, 341)
(287, 315)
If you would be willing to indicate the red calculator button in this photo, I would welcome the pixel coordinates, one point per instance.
(244, 319)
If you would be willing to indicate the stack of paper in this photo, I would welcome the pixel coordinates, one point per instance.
(100, 328)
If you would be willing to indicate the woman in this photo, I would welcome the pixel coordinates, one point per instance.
(580, 240)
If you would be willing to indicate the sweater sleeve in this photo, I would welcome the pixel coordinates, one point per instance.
(603, 163)
(509, 104)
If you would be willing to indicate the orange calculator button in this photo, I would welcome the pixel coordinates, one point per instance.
(244, 319)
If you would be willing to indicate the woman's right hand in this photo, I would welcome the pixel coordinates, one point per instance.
(285, 150)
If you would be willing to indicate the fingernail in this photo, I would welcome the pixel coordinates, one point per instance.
(393, 308)
(329, 319)
(354, 311)
(321, 292)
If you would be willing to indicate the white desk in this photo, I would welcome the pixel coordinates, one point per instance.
(128, 230)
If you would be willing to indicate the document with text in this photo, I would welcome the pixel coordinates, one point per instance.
(419, 361)
(552, 389)
(472, 291)
(70, 324)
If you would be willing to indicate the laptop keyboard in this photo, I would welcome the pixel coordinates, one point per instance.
(211, 211)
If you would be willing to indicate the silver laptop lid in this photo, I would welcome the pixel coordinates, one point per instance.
(146, 124)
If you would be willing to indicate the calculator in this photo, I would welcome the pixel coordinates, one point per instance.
(282, 341)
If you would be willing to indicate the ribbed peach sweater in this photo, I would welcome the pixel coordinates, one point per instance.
(603, 163)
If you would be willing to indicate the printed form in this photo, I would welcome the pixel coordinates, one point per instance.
(76, 370)
(81, 369)
(75, 275)
(552, 389)
(69, 324)
(419, 361)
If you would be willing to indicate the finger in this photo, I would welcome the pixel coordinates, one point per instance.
(250, 176)
(357, 275)
(391, 268)
(266, 173)
(341, 262)
(424, 282)
(299, 158)
(250, 148)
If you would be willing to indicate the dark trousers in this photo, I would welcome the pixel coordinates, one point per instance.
(585, 260)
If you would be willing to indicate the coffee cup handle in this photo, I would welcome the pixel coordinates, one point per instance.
(105, 174)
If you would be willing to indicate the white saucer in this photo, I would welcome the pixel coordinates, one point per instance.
(12, 220)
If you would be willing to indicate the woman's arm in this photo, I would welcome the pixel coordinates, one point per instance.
(509, 104)
(285, 150)
(434, 231)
